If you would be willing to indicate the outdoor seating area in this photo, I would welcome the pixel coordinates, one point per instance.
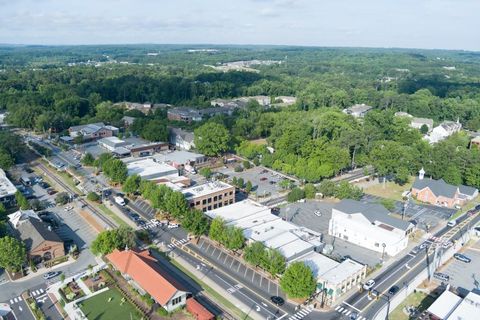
(72, 291)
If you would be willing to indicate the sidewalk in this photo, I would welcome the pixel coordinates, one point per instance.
(44, 270)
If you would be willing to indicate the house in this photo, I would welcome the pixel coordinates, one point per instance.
(181, 138)
(145, 274)
(93, 131)
(41, 242)
(370, 226)
(184, 114)
(475, 142)
(7, 190)
(358, 110)
(333, 278)
(450, 306)
(440, 193)
(262, 100)
(198, 311)
(111, 143)
(215, 111)
(145, 107)
(418, 123)
(210, 195)
(442, 131)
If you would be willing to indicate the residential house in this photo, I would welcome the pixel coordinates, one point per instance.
(181, 138)
(210, 195)
(440, 193)
(146, 275)
(442, 131)
(184, 114)
(285, 100)
(7, 190)
(358, 110)
(369, 225)
(418, 123)
(93, 131)
(450, 306)
(475, 142)
(145, 107)
(42, 243)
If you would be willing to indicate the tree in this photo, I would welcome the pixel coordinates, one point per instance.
(22, 201)
(104, 157)
(109, 240)
(155, 130)
(217, 230)
(389, 204)
(298, 281)
(6, 160)
(286, 184)
(327, 188)
(240, 183)
(12, 253)
(247, 164)
(132, 184)
(453, 175)
(255, 253)
(194, 221)
(233, 238)
(310, 191)
(176, 205)
(472, 176)
(62, 198)
(345, 190)
(3, 212)
(248, 186)
(206, 172)
(212, 139)
(295, 195)
(274, 262)
(88, 159)
(424, 129)
(115, 169)
(92, 196)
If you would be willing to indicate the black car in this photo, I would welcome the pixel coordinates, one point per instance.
(393, 290)
(277, 300)
(44, 185)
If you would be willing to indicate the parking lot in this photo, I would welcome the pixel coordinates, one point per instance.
(303, 214)
(425, 215)
(465, 275)
(265, 182)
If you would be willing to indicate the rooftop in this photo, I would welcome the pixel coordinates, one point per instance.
(205, 189)
(148, 167)
(20, 216)
(179, 156)
(426, 121)
(111, 141)
(6, 186)
(358, 108)
(444, 304)
(441, 188)
(468, 309)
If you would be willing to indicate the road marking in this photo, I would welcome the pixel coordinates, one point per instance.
(20, 308)
(348, 312)
(351, 306)
(337, 307)
(344, 311)
(11, 301)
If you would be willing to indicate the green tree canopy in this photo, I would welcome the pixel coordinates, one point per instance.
(298, 281)
(212, 139)
(132, 184)
(12, 253)
(109, 240)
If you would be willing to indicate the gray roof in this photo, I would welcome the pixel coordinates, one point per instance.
(438, 187)
(185, 135)
(470, 191)
(34, 232)
(88, 128)
(426, 121)
(372, 211)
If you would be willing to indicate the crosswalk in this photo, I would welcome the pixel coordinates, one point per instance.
(346, 312)
(38, 292)
(15, 300)
(150, 225)
(302, 313)
(177, 243)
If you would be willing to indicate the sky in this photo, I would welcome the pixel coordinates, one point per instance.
(441, 24)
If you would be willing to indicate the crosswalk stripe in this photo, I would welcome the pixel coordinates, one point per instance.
(11, 301)
(302, 313)
(348, 312)
(15, 299)
(345, 311)
(338, 307)
(360, 318)
(340, 310)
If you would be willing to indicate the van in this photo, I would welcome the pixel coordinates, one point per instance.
(452, 223)
(441, 276)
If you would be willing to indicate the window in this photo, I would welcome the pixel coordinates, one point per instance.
(220, 197)
(215, 198)
(220, 204)
(177, 300)
(209, 207)
(192, 204)
(204, 210)
(197, 203)
(204, 201)
(209, 200)
(230, 193)
(215, 206)
(231, 201)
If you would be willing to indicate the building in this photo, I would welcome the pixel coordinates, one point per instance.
(145, 274)
(93, 131)
(147, 149)
(128, 121)
(182, 159)
(442, 131)
(215, 111)
(149, 169)
(358, 110)
(370, 226)
(198, 311)
(333, 278)
(111, 143)
(7, 190)
(285, 100)
(145, 107)
(264, 101)
(259, 224)
(41, 242)
(181, 139)
(184, 114)
(440, 193)
(475, 142)
(210, 195)
(450, 306)
(418, 123)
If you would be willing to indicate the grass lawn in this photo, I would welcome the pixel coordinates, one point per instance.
(391, 191)
(111, 215)
(98, 307)
(418, 299)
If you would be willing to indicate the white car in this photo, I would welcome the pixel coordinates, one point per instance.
(173, 226)
(369, 284)
(317, 213)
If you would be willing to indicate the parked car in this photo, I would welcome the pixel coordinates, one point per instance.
(452, 223)
(51, 191)
(44, 185)
(272, 182)
(263, 178)
(277, 300)
(51, 274)
(369, 284)
(423, 246)
(441, 276)
(462, 257)
(393, 290)
(173, 226)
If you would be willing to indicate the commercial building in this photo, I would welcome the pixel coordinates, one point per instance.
(450, 306)
(147, 149)
(111, 143)
(440, 193)
(358, 110)
(333, 278)
(181, 159)
(181, 139)
(41, 242)
(93, 131)
(370, 226)
(210, 195)
(145, 274)
(149, 169)
(7, 190)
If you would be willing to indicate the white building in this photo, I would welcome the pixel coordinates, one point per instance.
(286, 100)
(370, 226)
(418, 123)
(358, 110)
(7, 190)
(442, 131)
(149, 169)
(449, 306)
(181, 139)
(111, 143)
(181, 158)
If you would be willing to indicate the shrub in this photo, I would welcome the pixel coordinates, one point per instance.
(295, 195)
(92, 196)
(246, 164)
(238, 169)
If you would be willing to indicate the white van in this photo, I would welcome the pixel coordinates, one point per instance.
(120, 201)
(452, 223)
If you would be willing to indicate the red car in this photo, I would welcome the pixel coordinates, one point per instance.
(263, 179)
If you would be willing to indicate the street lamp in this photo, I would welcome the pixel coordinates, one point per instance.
(383, 250)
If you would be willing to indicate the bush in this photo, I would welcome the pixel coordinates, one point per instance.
(295, 195)
(238, 169)
(162, 312)
(92, 196)
(246, 164)
(62, 198)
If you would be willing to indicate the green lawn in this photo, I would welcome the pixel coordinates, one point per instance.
(112, 215)
(418, 299)
(99, 308)
(391, 190)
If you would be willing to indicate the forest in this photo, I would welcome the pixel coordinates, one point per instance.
(52, 88)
